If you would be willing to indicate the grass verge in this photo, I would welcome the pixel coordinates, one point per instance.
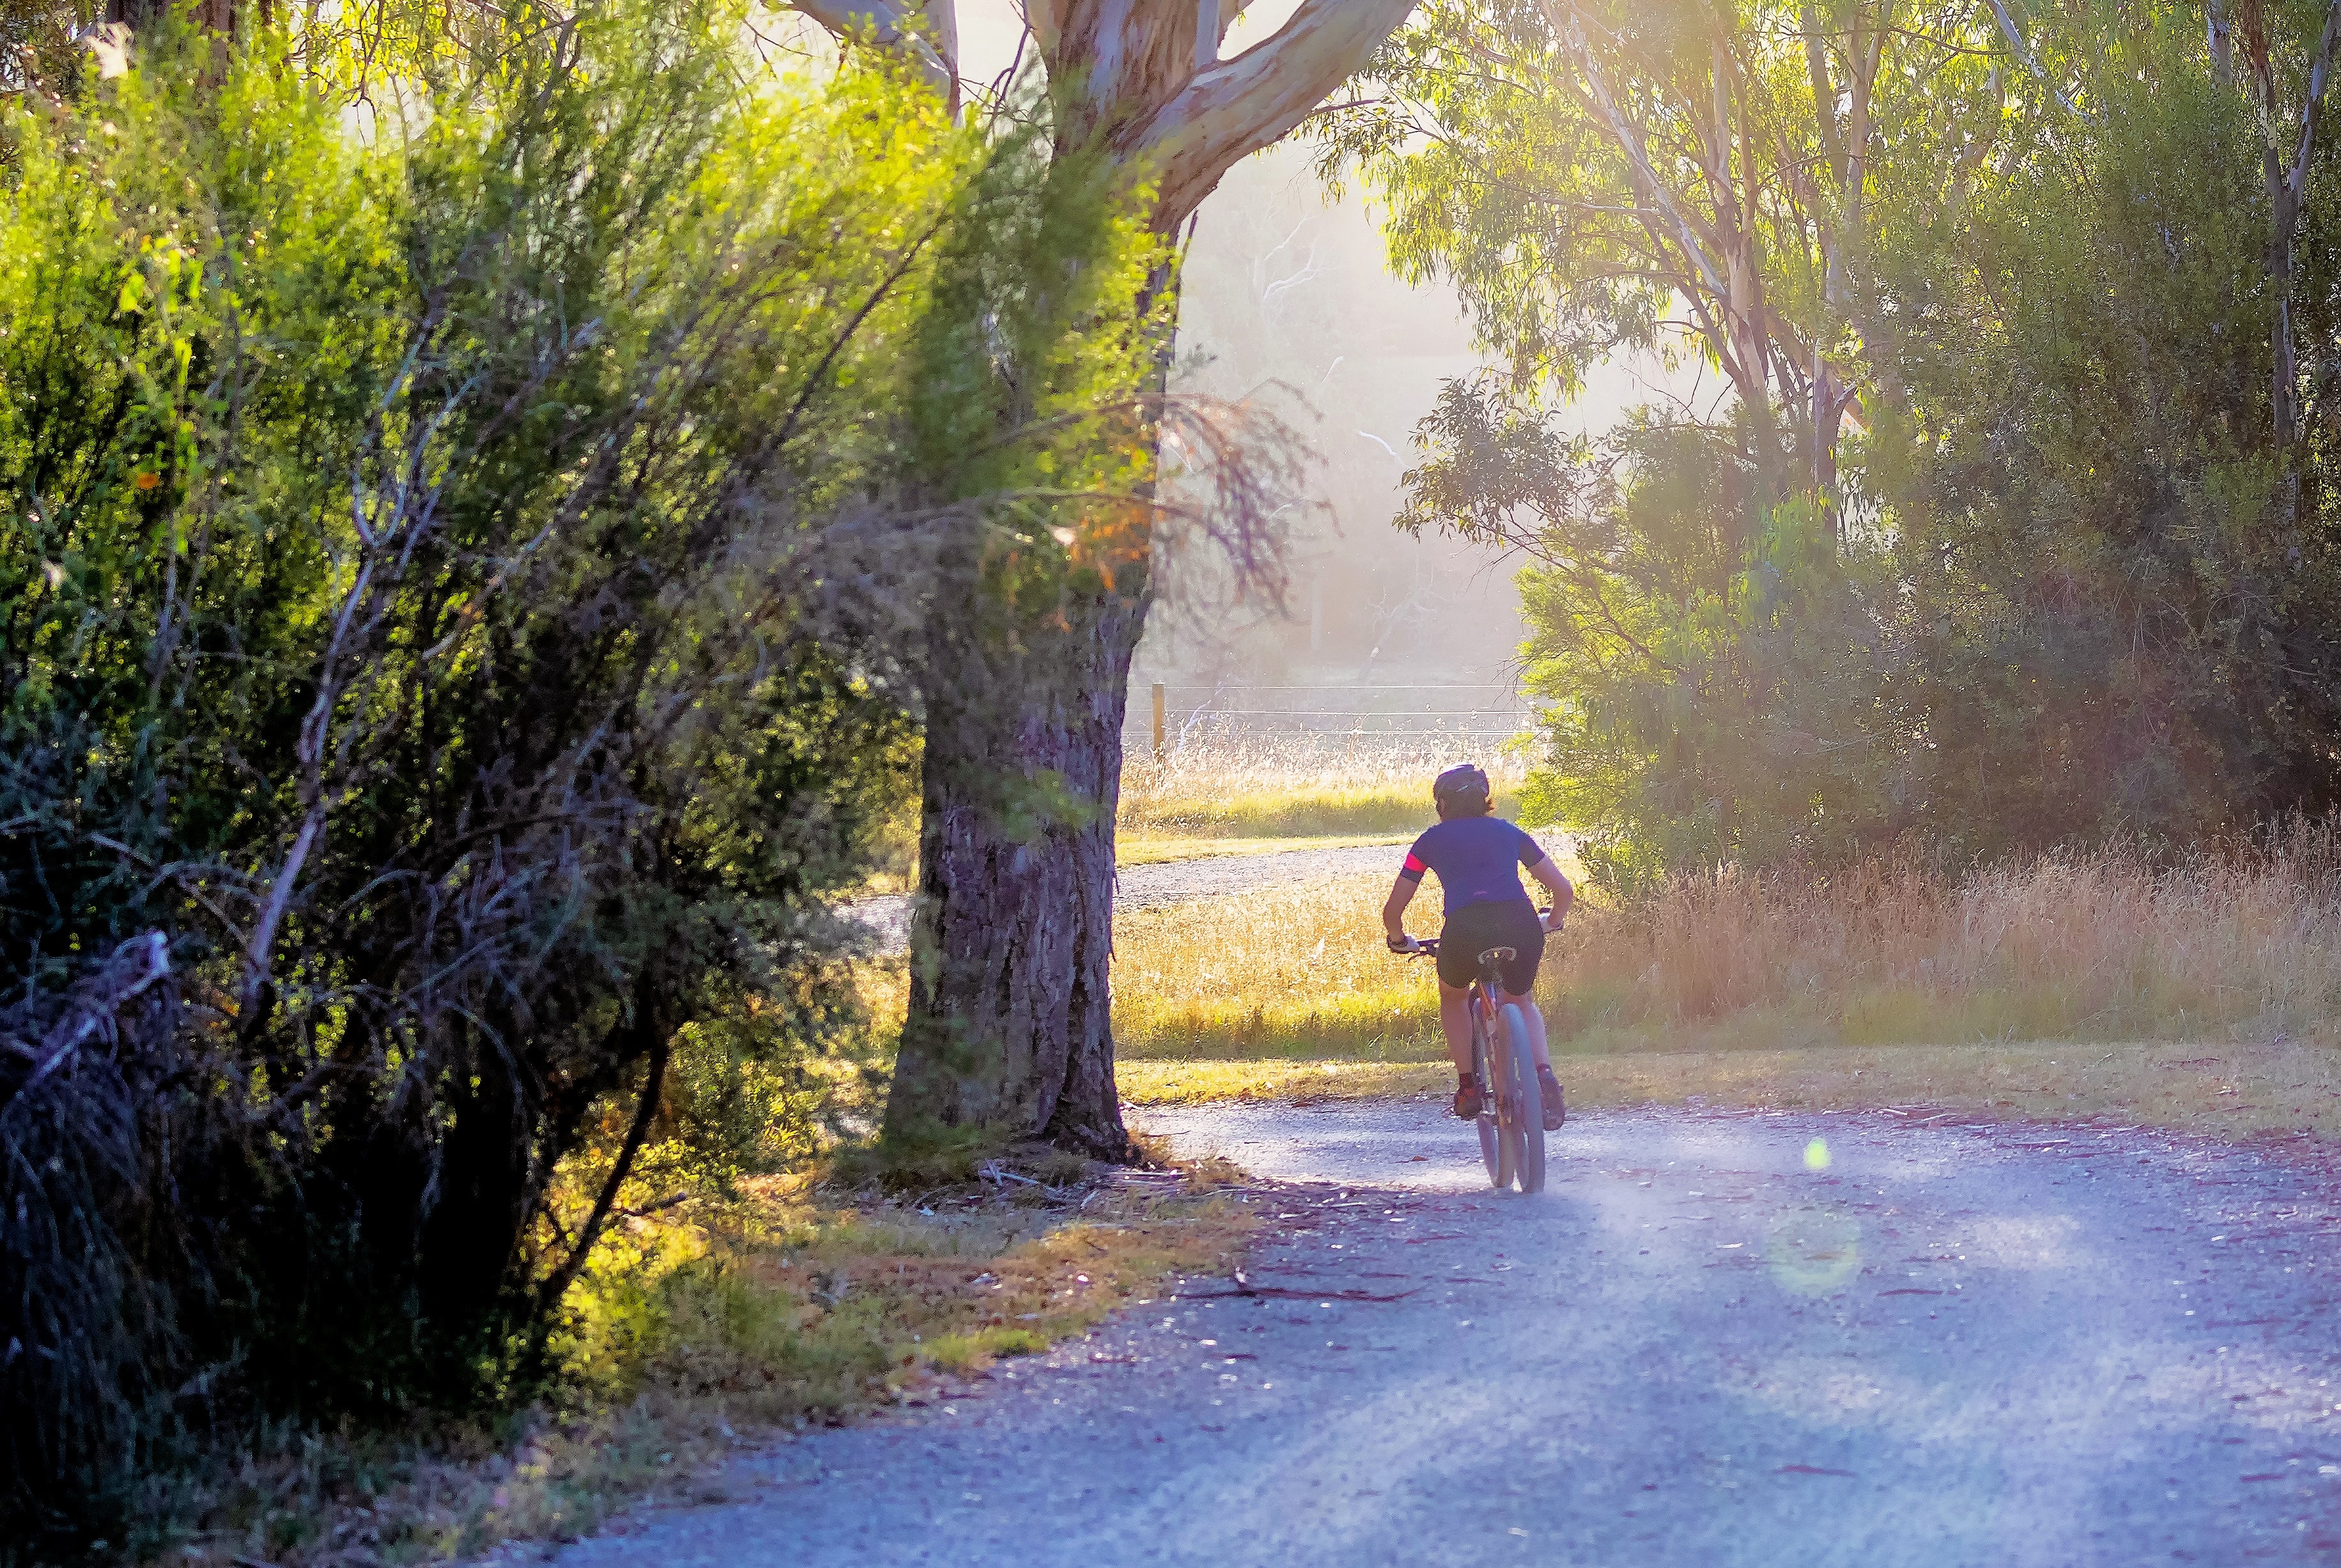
(702, 1329)
(2227, 1090)
(2202, 997)
(1295, 971)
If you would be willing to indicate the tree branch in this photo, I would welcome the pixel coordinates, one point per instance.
(645, 1109)
(2024, 53)
(891, 26)
(1237, 106)
(2310, 111)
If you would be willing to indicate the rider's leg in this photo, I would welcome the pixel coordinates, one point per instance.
(1455, 1019)
(1555, 1101)
(1535, 1017)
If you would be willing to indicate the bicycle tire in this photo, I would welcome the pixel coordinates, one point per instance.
(1492, 1151)
(1527, 1132)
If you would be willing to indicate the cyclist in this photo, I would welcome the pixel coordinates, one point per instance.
(1478, 856)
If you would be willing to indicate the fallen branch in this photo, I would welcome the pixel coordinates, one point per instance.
(135, 965)
(1244, 1287)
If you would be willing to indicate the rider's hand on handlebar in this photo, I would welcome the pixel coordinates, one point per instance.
(1401, 943)
(1551, 921)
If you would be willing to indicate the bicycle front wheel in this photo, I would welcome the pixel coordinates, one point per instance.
(1526, 1133)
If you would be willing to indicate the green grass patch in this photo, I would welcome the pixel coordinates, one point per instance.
(710, 1324)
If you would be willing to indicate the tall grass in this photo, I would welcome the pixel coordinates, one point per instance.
(2239, 942)
(2208, 989)
(1297, 786)
(1291, 971)
(2098, 943)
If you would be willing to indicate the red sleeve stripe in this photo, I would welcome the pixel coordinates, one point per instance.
(1414, 868)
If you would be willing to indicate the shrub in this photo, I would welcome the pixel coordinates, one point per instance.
(453, 557)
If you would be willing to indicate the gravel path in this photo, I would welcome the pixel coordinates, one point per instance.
(1956, 1344)
(1170, 882)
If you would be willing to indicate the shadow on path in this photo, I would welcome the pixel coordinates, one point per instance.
(1952, 1345)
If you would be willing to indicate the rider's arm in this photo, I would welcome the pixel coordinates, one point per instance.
(1564, 893)
(1394, 907)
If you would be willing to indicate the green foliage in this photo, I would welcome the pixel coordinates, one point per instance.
(1994, 541)
(455, 562)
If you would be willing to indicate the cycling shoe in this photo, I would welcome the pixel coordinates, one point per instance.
(1555, 1107)
(1468, 1103)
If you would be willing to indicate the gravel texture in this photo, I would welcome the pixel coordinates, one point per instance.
(888, 916)
(1952, 1344)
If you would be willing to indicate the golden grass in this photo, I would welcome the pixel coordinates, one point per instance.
(694, 1333)
(1251, 797)
(1176, 1081)
(2205, 995)
(1293, 972)
(1301, 787)
(2090, 945)
(2098, 946)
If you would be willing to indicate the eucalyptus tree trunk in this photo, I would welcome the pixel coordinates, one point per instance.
(2287, 192)
(1010, 1026)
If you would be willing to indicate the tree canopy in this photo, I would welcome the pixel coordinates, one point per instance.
(1985, 505)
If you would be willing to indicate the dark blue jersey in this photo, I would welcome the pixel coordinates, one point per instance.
(1478, 859)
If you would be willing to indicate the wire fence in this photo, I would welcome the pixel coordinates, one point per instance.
(1165, 720)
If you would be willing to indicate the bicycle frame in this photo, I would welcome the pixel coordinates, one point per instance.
(1507, 1123)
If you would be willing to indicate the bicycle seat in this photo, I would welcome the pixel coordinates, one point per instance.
(1500, 955)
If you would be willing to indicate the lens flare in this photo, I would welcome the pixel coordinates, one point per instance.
(1817, 1155)
(1813, 1251)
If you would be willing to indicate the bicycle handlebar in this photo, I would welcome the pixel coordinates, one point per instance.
(1427, 947)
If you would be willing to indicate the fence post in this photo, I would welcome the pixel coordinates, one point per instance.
(1158, 722)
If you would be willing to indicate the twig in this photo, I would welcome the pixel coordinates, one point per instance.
(1244, 1287)
(649, 1210)
(1279, 1293)
(591, 1231)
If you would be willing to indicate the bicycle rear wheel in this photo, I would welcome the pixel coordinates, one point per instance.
(1493, 1152)
(1526, 1134)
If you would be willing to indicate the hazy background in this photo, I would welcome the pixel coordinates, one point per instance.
(1286, 289)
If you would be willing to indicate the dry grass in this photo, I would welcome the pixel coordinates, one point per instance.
(1154, 848)
(1176, 1081)
(2085, 945)
(1292, 971)
(2205, 995)
(1302, 787)
(1251, 797)
(695, 1333)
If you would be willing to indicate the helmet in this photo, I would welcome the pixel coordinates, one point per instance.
(1462, 785)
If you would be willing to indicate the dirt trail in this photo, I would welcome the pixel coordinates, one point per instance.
(1955, 1344)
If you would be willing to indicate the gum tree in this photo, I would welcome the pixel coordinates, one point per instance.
(1010, 1029)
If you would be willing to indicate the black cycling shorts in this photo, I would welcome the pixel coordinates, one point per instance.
(1474, 928)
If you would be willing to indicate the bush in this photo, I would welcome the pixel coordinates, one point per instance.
(446, 645)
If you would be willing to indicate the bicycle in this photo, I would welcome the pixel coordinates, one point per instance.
(1511, 1105)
